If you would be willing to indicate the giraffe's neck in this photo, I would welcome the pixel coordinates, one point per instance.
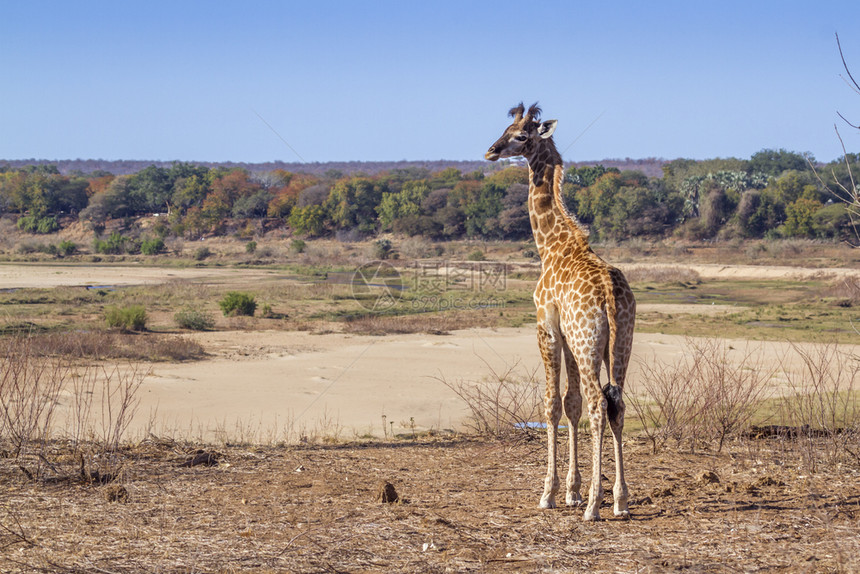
(553, 227)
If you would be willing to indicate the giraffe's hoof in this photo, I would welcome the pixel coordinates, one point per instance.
(591, 517)
(574, 500)
(546, 504)
(622, 513)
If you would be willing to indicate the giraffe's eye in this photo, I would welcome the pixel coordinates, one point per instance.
(521, 137)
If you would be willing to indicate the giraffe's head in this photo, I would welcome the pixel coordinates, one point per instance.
(523, 135)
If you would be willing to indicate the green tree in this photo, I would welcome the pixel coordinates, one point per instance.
(254, 205)
(774, 162)
(110, 203)
(352, 203)
(587, 175)
(445, 179)
(480, 204)
(189, 192)
(150, 190)
(406, 202)
(514, 218)
(792, 184)
(309, 220)
(800, 217)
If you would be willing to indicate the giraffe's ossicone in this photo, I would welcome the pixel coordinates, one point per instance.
(585, 316)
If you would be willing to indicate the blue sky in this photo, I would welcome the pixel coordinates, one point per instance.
(371, 81)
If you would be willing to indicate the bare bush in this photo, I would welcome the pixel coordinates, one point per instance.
(101, 402)
(823, 403)
(104, 400)
(733, 387)
(502, 404)
(706, 395)
(29, 388)
(670, 403)
(417, 248)
(846, 289)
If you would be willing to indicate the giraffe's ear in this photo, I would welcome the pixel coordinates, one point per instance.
(546, 128)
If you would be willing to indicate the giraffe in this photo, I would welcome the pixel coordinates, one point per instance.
(585, 313)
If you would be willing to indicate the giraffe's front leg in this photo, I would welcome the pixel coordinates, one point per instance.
(550, 348)
(573, 410)
(551, 483)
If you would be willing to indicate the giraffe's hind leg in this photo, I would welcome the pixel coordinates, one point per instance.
(573, 411)
(619, 491)
(615, 413)
(589, 371)
(549, 342)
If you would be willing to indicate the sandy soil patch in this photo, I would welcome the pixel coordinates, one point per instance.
(72, 275)
(266, 385)
(715, 271)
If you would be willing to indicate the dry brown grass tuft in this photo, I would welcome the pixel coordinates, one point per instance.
(661, 274)
(431, 323)
(104, 345)
(845, 290)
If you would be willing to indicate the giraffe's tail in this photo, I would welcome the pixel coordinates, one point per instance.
(611, 391)
(612, 394)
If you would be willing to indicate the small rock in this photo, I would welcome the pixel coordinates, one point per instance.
(709, 477)
(386, 493)
(767, 481)
(663, 491)
(202, 458)
(116, 493)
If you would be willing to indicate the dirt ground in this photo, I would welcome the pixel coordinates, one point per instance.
(464, 506)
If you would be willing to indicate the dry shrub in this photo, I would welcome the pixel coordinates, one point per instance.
(502, 404)
(323, 253)
(431, 323)
(661, 274)
(101, 404)
(418, 248)
(822, 405)
(113, 345)
(707, 395)
(104, 402)
(845, 289)
(668, 405)
(29, 388)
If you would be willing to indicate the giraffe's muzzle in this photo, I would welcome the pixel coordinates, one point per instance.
(492, 154)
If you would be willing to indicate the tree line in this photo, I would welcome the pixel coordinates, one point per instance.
(774, 193)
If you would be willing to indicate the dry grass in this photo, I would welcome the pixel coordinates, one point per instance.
(661, 274)
(431, 323)
(465, 506)
(846, 291)
(106, 345)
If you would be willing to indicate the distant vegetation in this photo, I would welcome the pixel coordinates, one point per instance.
(773, 194)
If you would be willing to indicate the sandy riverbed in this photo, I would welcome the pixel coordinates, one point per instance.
(275, 384)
